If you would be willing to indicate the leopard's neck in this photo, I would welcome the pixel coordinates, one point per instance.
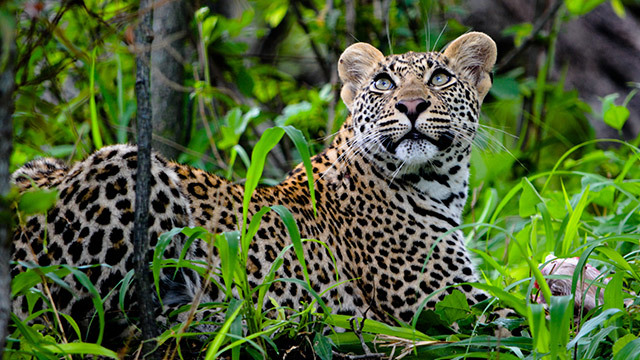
(442, 184)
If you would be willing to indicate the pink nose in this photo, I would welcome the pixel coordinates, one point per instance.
(412, 108)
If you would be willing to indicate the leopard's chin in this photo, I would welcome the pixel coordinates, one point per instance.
(416, 148)
(414, 136)
(415, 152)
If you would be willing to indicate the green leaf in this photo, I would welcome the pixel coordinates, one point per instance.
(376, 327)
(290, 112)
(233, 310)
(517, 303)
(560, 320)
(245, 82)
(622, 342)
(158, 255)
(303, 148)
(616, 116)
(549, 233)
(528, 200)
(126, 283)
(596, 340)
(95, 128)
(631, 351)
(322, 347)
(276, 12)
(613, 294)
(453, 307)
(592, 324)
(571, 231)
(581, 7)
(254, 226)
(538, 327)
(28, 279)
(228, 244)
(519, 31)
(95, 298)
(267, 141)
(294, 234)
(615, 258)
(81, 348)
(201, 14)
(618, 8)
(37, 201)
(505, 87)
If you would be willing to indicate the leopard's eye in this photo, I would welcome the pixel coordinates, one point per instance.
(383, 83)
(439, 78)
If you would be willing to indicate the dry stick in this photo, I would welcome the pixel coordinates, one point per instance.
(326, 71)
(537, 28)
(144, 36)
(7, 78)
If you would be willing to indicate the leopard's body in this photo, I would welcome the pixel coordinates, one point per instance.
(389, 190)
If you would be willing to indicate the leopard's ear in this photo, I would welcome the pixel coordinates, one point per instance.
(472, 56)
(355, 65)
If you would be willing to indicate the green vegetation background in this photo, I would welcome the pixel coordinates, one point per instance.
(541, 183)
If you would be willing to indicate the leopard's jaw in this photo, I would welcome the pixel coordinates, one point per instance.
(414, 153)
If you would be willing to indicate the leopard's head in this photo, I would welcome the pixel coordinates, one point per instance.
(416, 109)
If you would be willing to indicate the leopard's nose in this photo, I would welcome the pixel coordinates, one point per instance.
(412, 108)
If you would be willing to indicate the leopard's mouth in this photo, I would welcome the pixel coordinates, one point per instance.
(444, 141)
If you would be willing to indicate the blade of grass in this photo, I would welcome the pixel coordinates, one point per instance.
(83, 279)
(592, 324)
(571, 232)
(294, 234)
(538, 327)
(376, 327)
(267, 141)
(560, 315)
(81, 349)
(303, 148)
(95, 128)
(227, 244)
(235, 306)
(158, 255)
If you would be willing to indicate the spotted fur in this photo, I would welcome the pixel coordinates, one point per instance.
(389, 189)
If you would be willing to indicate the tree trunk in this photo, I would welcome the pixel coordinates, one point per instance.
(7, 77)
(144, 37)
(167, 76)
(599, 49)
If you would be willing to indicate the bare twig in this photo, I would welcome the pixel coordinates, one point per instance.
(350, 19)
(537, 28)
(316, 51)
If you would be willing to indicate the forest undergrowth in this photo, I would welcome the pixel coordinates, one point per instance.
(542, 185)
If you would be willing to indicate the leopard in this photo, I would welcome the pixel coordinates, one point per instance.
(390, 191)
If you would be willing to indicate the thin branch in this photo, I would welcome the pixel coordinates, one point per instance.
(537, 28)
(326, 71)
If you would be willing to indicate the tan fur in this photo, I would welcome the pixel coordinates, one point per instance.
(355, 64)
(474, 55)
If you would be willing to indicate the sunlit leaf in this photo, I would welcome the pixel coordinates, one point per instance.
(453, 307)
(631, 351)
(581, 7)
(529, 199)
(622, 342)
(37, 201)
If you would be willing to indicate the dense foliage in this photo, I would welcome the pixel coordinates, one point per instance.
(541, 183)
